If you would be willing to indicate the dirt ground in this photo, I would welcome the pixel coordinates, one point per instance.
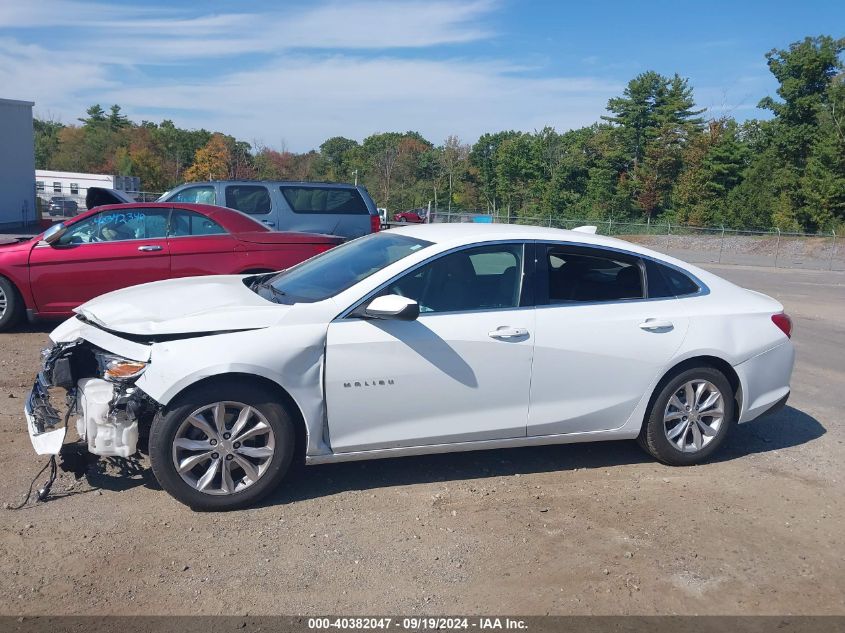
(579, 529)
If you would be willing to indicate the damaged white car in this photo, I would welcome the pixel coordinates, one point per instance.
(434, 338)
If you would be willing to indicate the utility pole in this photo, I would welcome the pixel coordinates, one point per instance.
(356, 177)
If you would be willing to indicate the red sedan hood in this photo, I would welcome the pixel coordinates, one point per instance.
(281, 237)
(15, 243)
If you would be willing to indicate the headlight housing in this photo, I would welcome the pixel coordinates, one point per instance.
(119, 369)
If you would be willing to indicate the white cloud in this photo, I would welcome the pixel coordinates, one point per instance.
(306, 99)
(68, 13)
(142, 36)
(58, 86)
(300, 91)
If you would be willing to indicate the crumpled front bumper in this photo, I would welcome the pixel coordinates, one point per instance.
(44, 423)
(108, 414)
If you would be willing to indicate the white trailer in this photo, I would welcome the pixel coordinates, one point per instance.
(75, 185)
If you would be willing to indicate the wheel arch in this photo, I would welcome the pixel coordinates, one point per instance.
(284, 396)
(706, 360)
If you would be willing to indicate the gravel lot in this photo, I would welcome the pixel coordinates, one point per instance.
(587, 529)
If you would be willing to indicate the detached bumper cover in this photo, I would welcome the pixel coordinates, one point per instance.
(43, 421)
(765, 381)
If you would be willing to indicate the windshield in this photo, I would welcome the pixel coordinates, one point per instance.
(342, 267)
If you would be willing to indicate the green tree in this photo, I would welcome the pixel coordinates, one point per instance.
(823, 179)
(483, 158)
(46, 136)
(116, 120)
(714, 162)
(518, 172)
(805, 73)
(337, 154)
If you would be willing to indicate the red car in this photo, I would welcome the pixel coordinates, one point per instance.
(417, 216)
(122, 245)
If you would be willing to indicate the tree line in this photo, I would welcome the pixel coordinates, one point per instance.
(652, 157)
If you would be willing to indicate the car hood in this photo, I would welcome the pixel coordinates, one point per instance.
(194, 305)
(8, 243)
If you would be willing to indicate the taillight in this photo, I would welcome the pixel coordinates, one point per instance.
(375, 223)
(782, 320)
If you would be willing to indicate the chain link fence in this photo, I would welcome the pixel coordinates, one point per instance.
(703, 245)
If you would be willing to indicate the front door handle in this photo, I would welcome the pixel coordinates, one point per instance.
(656, 325)
(268, 222)
(508, 332)
(149, 248)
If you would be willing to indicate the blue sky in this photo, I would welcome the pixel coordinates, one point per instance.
(291, 74)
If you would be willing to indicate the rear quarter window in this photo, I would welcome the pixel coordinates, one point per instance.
(665, 281)
(184, 223)
(324, 200)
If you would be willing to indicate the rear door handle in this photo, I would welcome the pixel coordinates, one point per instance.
(149, 248)
(653, 325)
(508, 332)
(268, 222)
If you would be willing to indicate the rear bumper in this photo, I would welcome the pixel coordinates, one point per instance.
(765, 381)
(777, 406)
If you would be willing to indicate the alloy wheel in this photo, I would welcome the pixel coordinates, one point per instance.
(694, 415)
(4, 303)
(223, 448)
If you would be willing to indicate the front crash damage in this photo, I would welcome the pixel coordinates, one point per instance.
(111, 412)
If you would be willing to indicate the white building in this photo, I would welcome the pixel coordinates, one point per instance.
(17, 163)
(74, 185)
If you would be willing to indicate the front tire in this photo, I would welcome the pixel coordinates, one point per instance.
(11, 305)
(222, 446)
(690, 417)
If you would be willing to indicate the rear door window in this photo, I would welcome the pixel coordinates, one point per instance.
(251, 199)
(591, 276)
(202, 194)
(184, 223)
(324, 200)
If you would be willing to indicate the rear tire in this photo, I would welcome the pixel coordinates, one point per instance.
(222, 446)
(689, 418)
(11, 305)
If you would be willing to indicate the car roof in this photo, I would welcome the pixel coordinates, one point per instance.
(449, 235)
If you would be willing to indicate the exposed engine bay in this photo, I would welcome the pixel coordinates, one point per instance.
(111, 412)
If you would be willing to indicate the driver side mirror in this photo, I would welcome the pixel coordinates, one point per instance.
(393, 307)
(54, 233)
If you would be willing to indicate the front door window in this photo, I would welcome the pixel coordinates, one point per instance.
(117, 226)
(482, 278)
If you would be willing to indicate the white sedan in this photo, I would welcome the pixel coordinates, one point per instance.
(427, 339)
